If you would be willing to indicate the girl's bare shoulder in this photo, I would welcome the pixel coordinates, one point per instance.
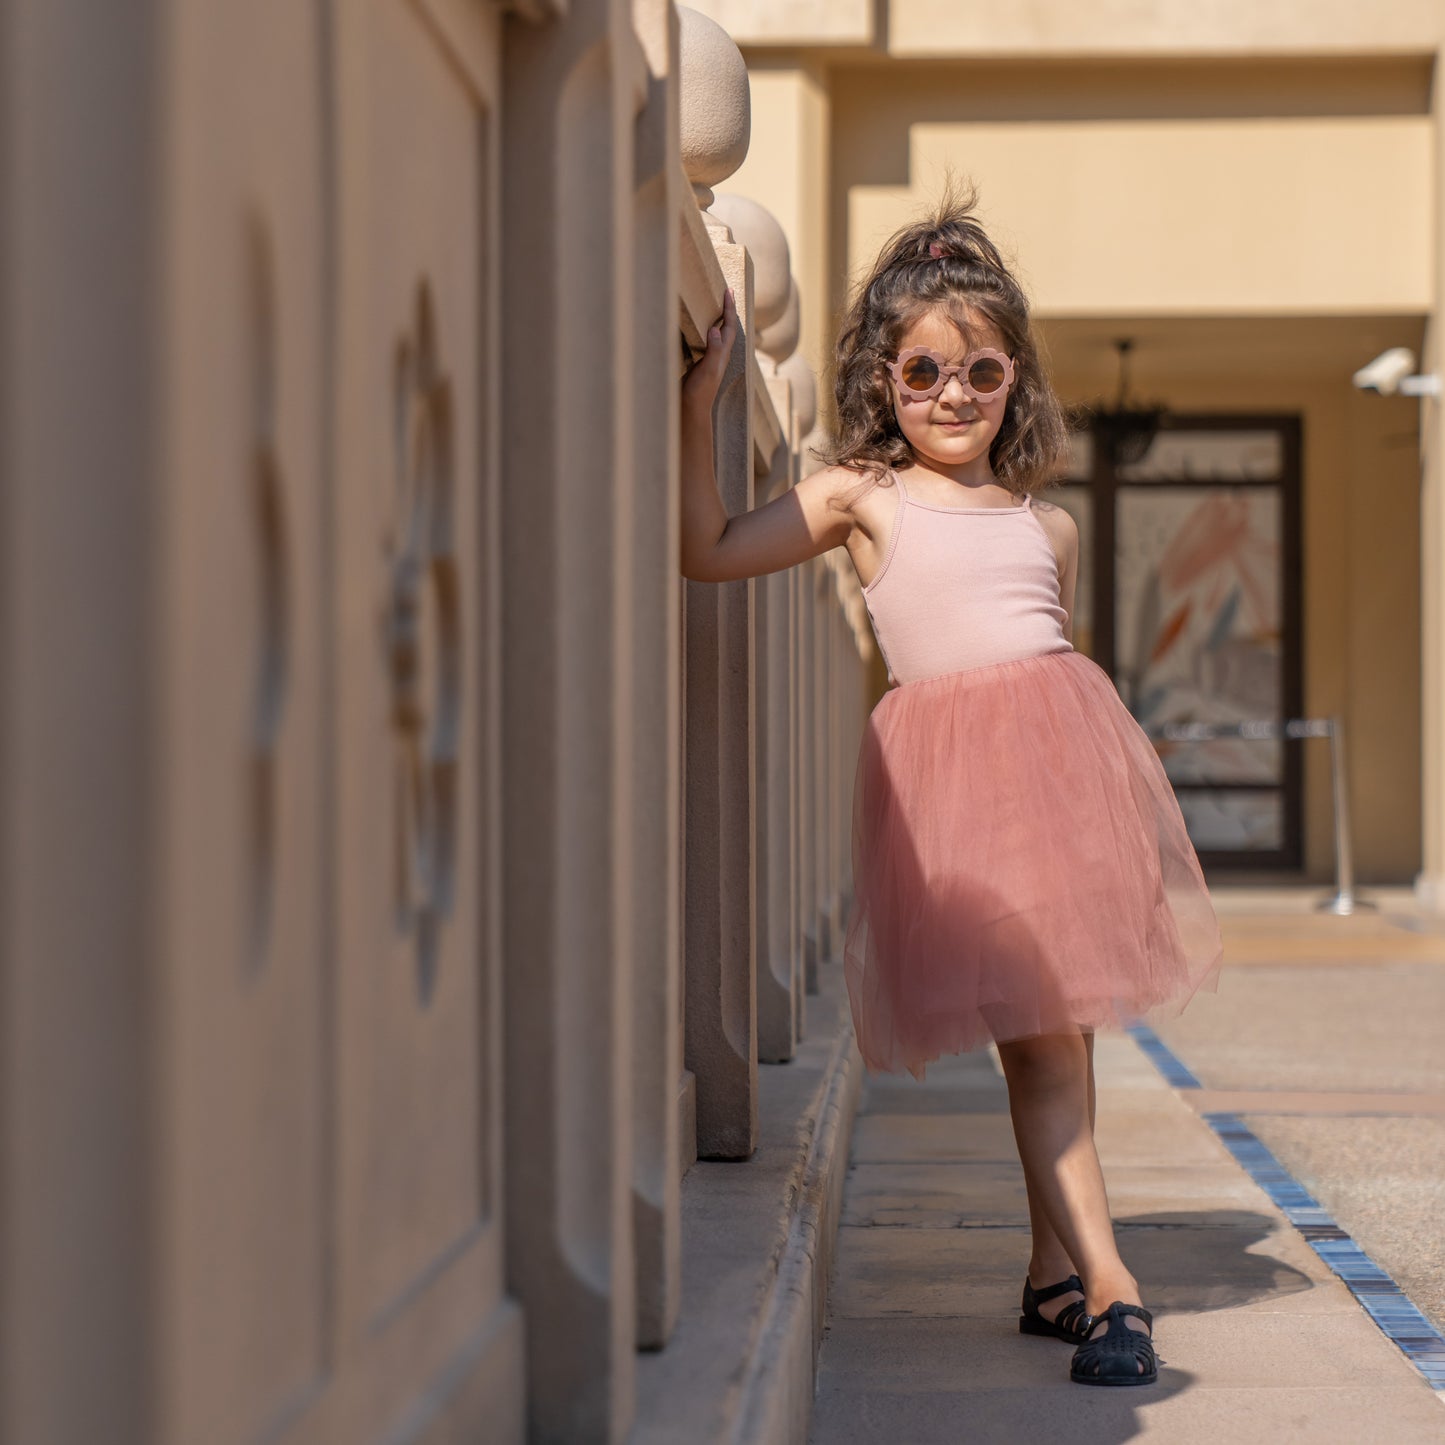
(834, 480)
(849, 490)
(1056, 520)
(865, 501)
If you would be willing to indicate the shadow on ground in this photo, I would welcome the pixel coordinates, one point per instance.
(1197, 1262)
(922, 1341)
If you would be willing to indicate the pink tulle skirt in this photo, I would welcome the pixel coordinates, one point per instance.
(1020, 866)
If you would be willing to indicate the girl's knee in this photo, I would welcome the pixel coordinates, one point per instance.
(1049, 1061)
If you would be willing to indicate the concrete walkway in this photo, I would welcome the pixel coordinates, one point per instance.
(1325, 1039)
(1259, 1341)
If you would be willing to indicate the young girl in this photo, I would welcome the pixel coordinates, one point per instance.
(1021, 870)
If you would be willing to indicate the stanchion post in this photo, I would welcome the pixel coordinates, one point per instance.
(1343, 900)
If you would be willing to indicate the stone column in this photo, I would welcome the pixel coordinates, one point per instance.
(845, 669)
(804, 933)
(650, 725)
(719, 942)
(81, 201)
(853, 714)
(823, 751)
(828, 739)
(571, 90)
(807, 723)
(817, 943)
(778, 1022)
(804, 396)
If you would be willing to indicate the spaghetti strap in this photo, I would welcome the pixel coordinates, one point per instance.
(898, 478)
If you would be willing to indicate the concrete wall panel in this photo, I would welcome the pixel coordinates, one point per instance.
(419, 1272)
(249, 1075)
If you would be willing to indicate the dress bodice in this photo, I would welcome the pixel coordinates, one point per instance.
(963, 587)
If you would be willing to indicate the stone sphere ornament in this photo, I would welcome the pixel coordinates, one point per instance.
(805, 390)
(780, 340)
(755, 227)
(714, 100)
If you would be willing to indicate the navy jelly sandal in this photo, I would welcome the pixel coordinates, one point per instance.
(1072, 1323)
(1116, 1356)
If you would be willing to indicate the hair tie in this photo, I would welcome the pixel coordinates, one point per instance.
(935, 249)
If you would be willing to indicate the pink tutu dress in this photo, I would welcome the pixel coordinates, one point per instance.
(1020, 864)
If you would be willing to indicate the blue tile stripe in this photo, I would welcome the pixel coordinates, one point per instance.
(1163, 1057)
(1378, 1295)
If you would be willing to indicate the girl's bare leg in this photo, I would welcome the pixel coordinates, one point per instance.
(1052, 1107)
(1049, 1261)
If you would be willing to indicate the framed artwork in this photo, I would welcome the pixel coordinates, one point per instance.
(1189, 597)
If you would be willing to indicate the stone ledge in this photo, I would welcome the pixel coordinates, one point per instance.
(758, 1244)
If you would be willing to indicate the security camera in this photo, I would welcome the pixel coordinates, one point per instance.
(1385, 373)
(1389, 373)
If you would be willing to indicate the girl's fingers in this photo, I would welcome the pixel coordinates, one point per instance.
(707, 370)
(729, 311)
(720, 337)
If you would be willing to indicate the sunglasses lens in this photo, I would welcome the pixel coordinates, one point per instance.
(920, 373)
(986, 375)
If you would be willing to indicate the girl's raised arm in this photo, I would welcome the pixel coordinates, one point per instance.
(805, 521)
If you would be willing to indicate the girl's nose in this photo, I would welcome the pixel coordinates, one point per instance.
(953, 391)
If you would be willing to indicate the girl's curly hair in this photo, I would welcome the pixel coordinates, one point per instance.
(945, 262)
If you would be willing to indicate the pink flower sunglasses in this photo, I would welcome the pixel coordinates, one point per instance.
(921, 373)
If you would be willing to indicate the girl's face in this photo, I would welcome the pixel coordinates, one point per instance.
(952, 428)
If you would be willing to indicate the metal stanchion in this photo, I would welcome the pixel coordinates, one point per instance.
(1344, 899)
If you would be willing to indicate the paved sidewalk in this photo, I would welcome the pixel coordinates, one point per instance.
(1325, 1040)
(1259, 1341)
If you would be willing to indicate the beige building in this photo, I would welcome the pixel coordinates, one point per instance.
(1251, 195)
(421, 1014)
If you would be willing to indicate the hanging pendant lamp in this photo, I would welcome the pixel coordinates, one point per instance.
(1127, 430)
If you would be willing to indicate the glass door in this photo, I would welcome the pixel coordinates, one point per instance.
(1189, 597)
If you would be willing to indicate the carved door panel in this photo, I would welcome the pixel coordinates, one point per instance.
(330, 1207)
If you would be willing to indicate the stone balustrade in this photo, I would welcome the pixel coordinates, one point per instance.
(750, 846)
(407, 876)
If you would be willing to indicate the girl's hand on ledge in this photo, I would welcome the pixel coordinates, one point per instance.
(704, 376)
